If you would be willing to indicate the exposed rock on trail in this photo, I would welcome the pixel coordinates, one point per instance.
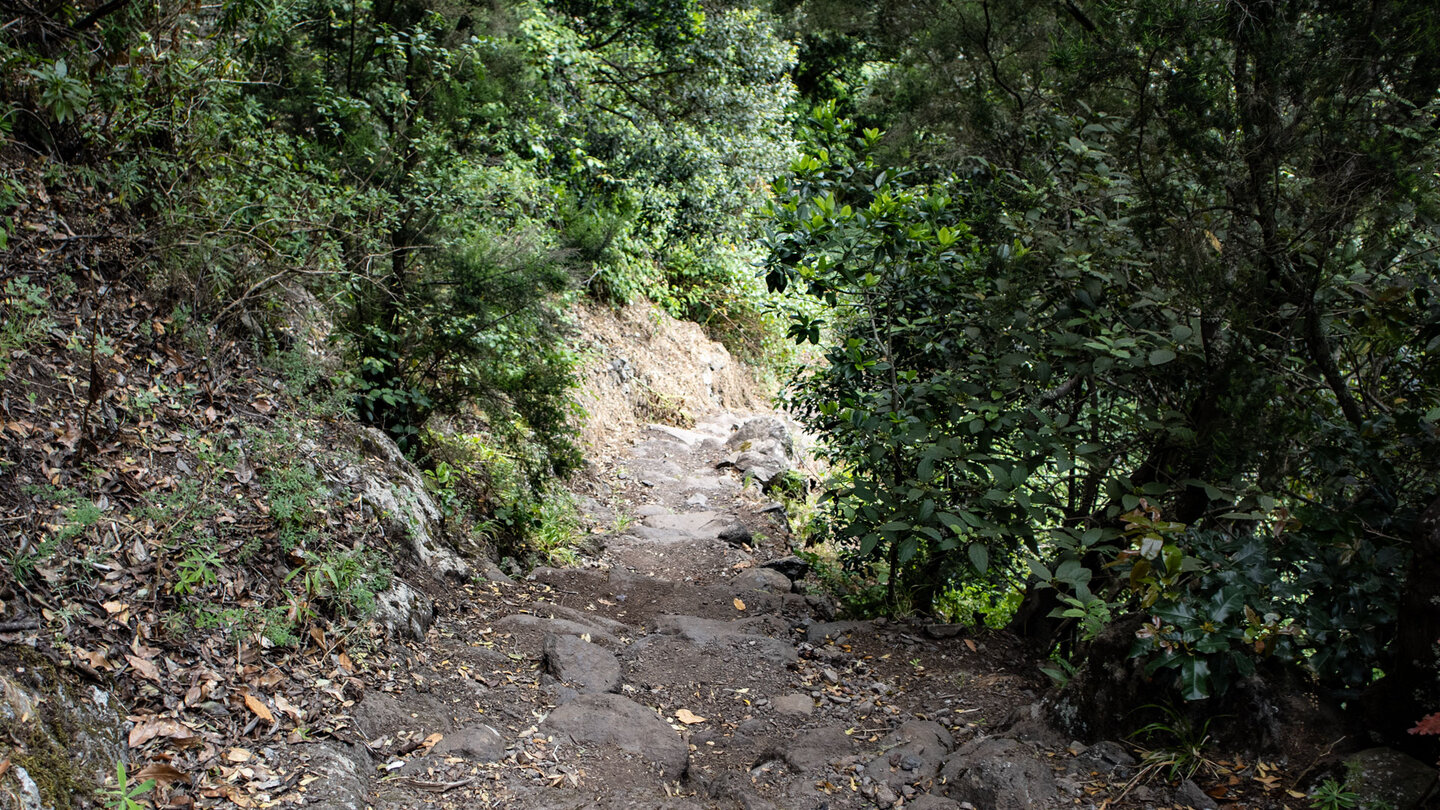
(609, 722)
(584, 666)
(686, 664)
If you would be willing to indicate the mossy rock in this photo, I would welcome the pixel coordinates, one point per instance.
(66, 735)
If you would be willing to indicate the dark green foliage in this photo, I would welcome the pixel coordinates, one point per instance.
(470, 325)
(1187, 264)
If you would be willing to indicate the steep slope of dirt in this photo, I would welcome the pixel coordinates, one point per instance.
(639, 365)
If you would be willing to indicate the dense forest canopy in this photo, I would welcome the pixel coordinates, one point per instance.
(1126, 308)
(1135, 308)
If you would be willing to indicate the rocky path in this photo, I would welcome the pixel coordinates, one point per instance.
(686, 665)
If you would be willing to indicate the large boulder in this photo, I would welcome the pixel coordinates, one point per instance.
(403, 610)
(762, 579)
(761, 448)
(344, 772)
(791, 567)
(527, 622)
(478, 743)
(765, 434)
(382, 714)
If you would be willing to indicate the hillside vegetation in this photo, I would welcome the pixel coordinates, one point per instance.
(1124, 316)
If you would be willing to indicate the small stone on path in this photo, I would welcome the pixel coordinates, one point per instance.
(479, 743)
(762, 579)
(815, 749)
(792, 567)
(586, 667)
(794, 704)
(612, 720)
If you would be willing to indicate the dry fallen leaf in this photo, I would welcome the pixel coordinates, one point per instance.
(688, 717)
(431, 740)
(739, 605)
(290, 709)
(970, 644)
(161, 772)
(345, 662)
(143, 668)
(148, 728)
(234, 795)
(238, 755)
(96, 660)
(258, 706)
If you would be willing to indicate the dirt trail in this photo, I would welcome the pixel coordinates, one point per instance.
(673, 669)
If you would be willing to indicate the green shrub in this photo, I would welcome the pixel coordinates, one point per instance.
(27, 319)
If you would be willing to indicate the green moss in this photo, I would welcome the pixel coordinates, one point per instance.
(45, 741)
(47, 762)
